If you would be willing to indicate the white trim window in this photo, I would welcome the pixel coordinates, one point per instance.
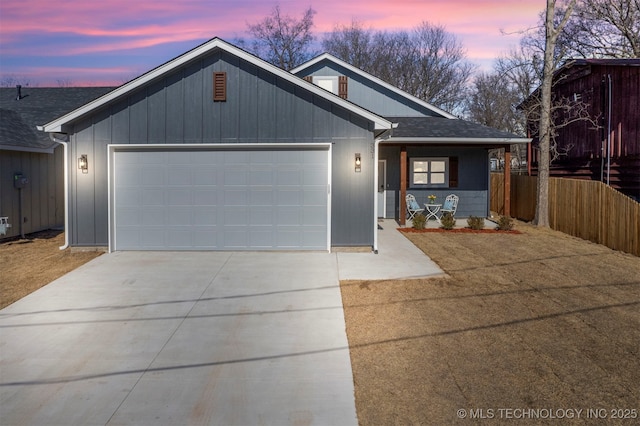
(429, 172)
(329, 83)
(338, 84)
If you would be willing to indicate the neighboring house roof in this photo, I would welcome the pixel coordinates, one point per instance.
(376, 80)
(579, 64)
(37, 105)
(633, 62)
(442, 130)
(58, 124)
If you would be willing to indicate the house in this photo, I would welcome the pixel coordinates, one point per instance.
(429, 151)
(219, 150)
(607, 147)
(31, 164)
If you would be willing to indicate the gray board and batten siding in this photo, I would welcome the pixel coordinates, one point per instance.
(368, 94)
(261, 108)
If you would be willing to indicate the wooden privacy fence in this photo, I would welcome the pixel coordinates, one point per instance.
(583, 208)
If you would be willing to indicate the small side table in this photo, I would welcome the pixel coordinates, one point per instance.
(431, 210)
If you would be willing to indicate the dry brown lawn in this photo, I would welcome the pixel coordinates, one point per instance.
(30, 263)
(524, 326)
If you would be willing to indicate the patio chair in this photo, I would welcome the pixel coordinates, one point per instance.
(450, 205)
(413, 207)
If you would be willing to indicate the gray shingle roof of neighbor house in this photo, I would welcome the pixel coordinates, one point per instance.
(447, 130)
(37, 105)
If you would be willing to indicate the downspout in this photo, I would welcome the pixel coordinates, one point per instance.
(65, 147)
(376, 147)
(609, 133)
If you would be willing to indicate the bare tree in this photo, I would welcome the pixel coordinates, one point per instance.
(443, 71)
(64, 82)
(552, 31)
(603, 28)
(427, 62)
(13, 81)
(282, 40)
(353, 44)
(493, 102)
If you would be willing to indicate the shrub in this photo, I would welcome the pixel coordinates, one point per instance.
(419, 221)
(447, 221)
(505, 223)
(476, 223)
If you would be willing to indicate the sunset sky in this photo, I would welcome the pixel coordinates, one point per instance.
(108, 42)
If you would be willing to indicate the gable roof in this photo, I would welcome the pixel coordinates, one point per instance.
(442, 130)
(58, 124)
(373, 79)
(19, 117)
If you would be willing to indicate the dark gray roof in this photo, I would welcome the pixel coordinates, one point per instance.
(447, 128)
(37, 106)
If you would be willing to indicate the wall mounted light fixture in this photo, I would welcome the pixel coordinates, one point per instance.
(83, 163)
(358, 163)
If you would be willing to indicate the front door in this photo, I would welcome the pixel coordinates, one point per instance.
(382, 188)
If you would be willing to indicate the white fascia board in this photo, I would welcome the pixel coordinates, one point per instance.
(458, 141)
(215, 43)
(372, 78)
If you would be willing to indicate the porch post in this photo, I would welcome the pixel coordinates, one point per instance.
(507, 181)
(403, 185)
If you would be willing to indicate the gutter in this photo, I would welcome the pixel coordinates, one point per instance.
(65, 145)
(459, 140)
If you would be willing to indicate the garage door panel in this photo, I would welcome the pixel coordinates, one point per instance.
(288, 217)
(205, 215)
(261, 197)
(315, 197)
(152, 237)
(151, 175)
(288, 177)
(153, 216)
(221, 199)
(235, 216)
(312, 216)
(236, 197)
(260, 177)
(205, 197)
(180, 236)
(179, 176)
(179, 197)
(151, 197)
(289, 197)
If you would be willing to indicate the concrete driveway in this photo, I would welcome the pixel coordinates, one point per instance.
(190, 338)
(156, 338)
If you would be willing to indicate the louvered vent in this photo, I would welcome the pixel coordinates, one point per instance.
(219, 86)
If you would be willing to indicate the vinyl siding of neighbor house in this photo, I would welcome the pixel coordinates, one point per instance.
(473, 178)
(260, 108)
(370, 95)
(42, 197)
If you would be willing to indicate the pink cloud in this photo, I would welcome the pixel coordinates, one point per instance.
(116, 26)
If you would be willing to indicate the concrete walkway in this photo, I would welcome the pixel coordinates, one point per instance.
(220, 338)
(397, 258)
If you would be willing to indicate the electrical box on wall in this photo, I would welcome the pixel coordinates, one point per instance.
(19, 181)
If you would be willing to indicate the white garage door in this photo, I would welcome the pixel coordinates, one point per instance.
(222, 199)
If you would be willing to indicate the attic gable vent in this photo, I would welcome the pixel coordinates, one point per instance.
(219, 86)
(343, 87)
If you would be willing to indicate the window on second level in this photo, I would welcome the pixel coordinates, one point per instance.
(338, 85)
